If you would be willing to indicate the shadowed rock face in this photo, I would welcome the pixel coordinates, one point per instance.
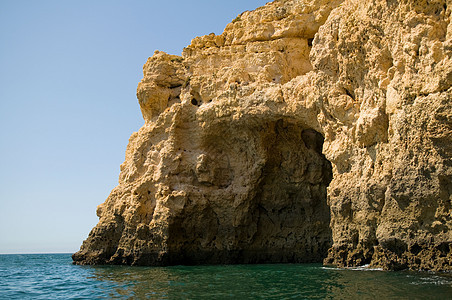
(279, 215)
(307, 130)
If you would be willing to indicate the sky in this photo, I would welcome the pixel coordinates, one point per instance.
(68, 77)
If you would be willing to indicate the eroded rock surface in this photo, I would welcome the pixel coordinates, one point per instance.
(307, 130)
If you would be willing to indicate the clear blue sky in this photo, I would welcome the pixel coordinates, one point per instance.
(68, 76)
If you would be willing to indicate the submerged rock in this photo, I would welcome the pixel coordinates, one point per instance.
(308, 130)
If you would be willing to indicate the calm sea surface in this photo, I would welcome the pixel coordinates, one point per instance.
(52, 276)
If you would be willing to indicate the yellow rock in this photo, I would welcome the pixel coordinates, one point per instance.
(308, 129)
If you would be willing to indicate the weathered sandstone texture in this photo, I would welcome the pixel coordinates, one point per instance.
(308, 130)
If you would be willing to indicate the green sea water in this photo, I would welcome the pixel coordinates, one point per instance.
(52, 276)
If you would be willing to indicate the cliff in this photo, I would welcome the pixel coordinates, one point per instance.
(308, 130)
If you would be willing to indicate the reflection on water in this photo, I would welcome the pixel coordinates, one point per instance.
(277, 281)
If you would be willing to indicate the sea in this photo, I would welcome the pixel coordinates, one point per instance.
(53, 276)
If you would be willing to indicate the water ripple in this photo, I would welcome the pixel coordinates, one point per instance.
(52, 276)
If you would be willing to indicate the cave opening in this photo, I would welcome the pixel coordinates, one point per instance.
(291, 208)
(286, 219)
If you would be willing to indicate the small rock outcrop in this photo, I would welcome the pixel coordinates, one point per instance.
(308, 130)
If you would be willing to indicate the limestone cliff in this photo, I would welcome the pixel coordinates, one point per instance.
(307, 130)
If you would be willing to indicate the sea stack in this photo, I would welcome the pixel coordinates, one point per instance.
(308, 131)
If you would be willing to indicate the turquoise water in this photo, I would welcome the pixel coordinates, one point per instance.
(52, 276)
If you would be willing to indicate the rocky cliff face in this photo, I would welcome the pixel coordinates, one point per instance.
(308, 130)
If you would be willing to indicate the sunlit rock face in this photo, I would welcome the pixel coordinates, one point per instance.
(307, 131)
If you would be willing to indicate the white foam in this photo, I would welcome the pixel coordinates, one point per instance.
(358, 268)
